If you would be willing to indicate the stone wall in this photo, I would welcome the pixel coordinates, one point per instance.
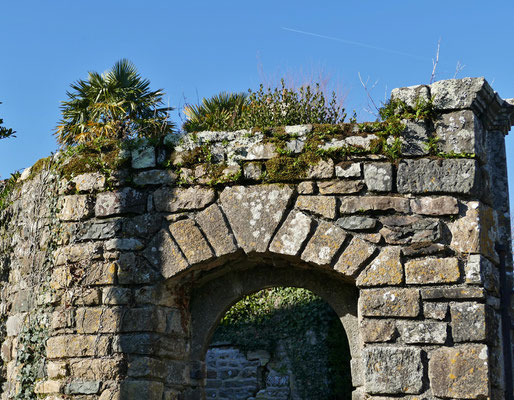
(115, 279)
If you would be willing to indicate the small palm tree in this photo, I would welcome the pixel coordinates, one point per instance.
(115, 104)
(220, 112)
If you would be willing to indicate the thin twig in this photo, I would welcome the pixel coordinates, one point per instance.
(458, 68)
(436, 61)
(368, 93)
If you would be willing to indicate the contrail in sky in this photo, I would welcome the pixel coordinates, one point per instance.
(351, 42)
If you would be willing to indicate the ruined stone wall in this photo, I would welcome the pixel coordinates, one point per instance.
(115, 275)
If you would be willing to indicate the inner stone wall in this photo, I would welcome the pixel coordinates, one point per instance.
(117, 263)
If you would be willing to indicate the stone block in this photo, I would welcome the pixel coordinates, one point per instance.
(141, 226)
(448, 293)
(356, 223)
(155, 177)
(213, 224)
(411, 95)
(307, 187)
(423, 332)
(261, 151)
(191, 241)
(454, 94)
(325, 206)
(340, 187)
(322, 170)
(57, 369)
(432, 270)
(295, 146)
(390, 302)
(480, 271)
(406, 229)
(82, 387)
(324, 244)
(348, 170)
(459, 132)
(379, 177)
(378, 330)
(292, 234)
(76, 207)
(354, 256)
(132, 390)
(48, 386)
(98, 319)
(440, 205)
(393, 370)
(165, 255)
(468, 321)
(437, 311)
(354, 204)
(14, 324)
(96, 369)
(89, 182)
(459, 176)
(414, 138)
(124, 244)
(299, 130)
(98, 230)
(252, 171)
(180, 199)
(254, 213)
(77, 346)
(123, 201)
(143, 157)
(133, 270)
(459, 372)
(146, 367)
(385, 269)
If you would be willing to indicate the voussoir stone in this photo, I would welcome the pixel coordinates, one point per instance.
(393, 370)
(179, 199)
(460, 372)
(165, 255)
(320, 205)
(191, 241)
(353, 204)
(324, 244)
(354, 256)
(442, 205)
(213, 224)
(432, 270)
(122, 201)
(390, 302)
(292, 234)
(434, 176)
(386, 269)
(254, 213)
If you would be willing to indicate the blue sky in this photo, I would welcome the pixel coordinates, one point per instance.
(198, 48)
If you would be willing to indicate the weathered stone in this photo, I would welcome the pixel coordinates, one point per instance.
(125, 244)
(459, 372)
(435, 310)
(48, 386)
(356, 223)
(146, 367)
(432, 270)
(218, 233)
(76, 207)
(252, 171)
(254, 213)
(179, 199)
(261, 151)
(231, 172)
(459, 132)
(164, 254)
(423, 249)
(191, 241)
(480, 271)
(354, 256)
(442, 205)
(468, 321)
(141, 225)
(457, 293)
(77, 346)
(292, 234)
(476, 232)
(14, 324)
(132, 390)
(82, 387)
(353, 204)
(434, 176)
(391, 302)
(324, 244)
(393, 370)
(404, 229)
(123, 201)
(379, 177)
(155, 177)
(457, 94)
(320, 205)
(116, 295)
(98, 319)
(306, 187)
(340, 187)
(323, 169)
(143, 157)
(348, 170)
(295, 146)
(386, 269)
(89, 182)
(411, 95)
(377, 330)
(423, 332)
(414, 138)
(298, 129)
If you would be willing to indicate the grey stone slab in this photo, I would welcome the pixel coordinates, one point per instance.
(324, 244)
(423, 332)
(213, 224)
(292, 234)
(191, 241)
(378, 177)
(165, 255)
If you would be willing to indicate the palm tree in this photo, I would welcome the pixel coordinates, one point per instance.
(220, 112)
(115, 104)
